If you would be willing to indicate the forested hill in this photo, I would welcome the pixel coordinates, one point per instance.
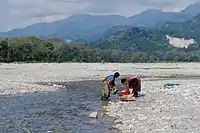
(187, 29)
(146, 40)
(135, 39)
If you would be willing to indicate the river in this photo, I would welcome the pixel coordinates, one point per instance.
(64, 111)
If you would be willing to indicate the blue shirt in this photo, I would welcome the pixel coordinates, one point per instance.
(111, 78)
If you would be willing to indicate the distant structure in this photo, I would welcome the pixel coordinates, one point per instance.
(180, 42)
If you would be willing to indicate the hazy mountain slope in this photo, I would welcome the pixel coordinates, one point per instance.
(93, 27)
(192, 10)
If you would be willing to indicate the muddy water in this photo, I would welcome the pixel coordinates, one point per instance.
(64, 111)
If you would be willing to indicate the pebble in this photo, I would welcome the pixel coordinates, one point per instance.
(93, 115)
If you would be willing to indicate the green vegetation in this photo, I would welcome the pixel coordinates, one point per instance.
(32, 49)
(136, 39)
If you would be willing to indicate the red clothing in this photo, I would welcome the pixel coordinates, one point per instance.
(124, 92)
(134, 83)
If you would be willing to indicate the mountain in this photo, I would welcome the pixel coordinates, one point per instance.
(187, 29)
(152, 17)
(192, 10)
(148, 40)
(93, 27)
(88, 27)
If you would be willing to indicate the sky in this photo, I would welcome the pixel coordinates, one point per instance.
(21, 13)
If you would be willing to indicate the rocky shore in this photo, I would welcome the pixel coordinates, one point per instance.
(161, 110)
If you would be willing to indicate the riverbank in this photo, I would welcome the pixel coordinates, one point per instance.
(21, 78)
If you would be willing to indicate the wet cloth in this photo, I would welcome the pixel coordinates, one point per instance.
(123, 92)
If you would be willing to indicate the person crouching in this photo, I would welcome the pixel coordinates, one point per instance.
(108, 85)
(132, 85)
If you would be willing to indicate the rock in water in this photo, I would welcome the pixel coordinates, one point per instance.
(93, 115)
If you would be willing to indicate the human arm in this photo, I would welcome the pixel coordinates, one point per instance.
(126, 86)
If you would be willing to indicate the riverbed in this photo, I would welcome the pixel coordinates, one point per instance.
(51, 97)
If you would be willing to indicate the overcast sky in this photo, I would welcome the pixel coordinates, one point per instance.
(20, 13)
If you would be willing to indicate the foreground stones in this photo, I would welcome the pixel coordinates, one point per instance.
(170, 110)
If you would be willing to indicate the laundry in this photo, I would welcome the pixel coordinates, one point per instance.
(170, 85)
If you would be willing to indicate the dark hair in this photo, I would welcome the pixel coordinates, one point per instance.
(116, 75)
(123, 80)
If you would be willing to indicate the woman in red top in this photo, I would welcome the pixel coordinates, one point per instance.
(133, 83)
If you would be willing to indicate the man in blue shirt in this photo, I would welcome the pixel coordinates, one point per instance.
(108, 85)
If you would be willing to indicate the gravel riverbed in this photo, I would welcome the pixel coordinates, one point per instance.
(160, 110)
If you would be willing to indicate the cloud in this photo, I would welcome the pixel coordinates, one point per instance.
(20, 13)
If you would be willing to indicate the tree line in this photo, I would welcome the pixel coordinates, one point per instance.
(33, 49)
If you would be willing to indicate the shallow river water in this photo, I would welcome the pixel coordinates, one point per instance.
(64, 111)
